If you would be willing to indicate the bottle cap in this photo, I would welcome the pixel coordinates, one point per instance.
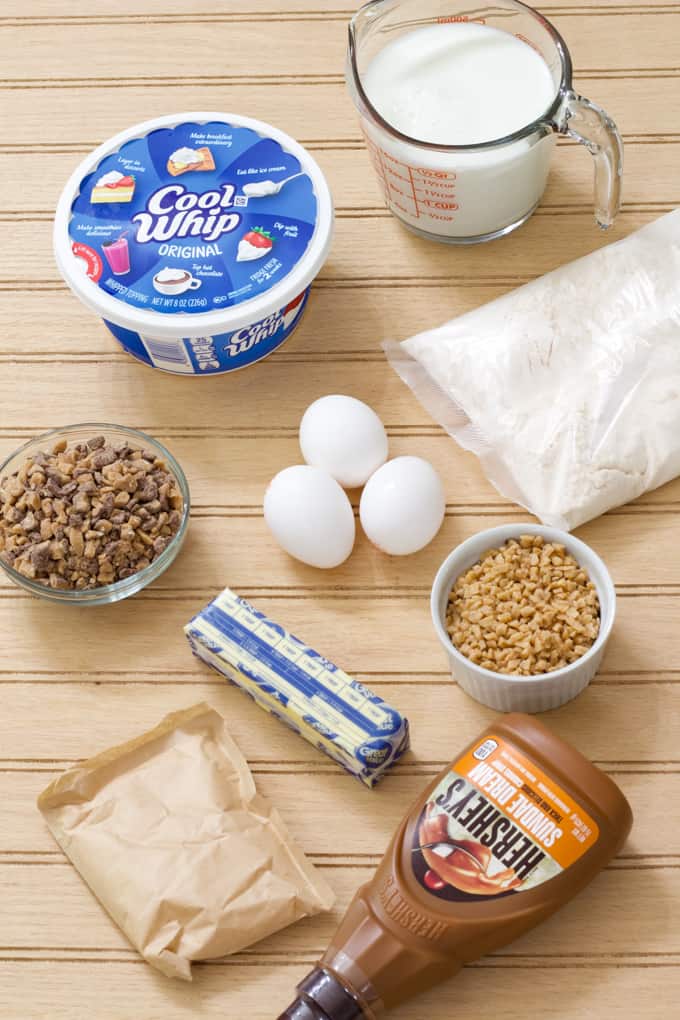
(322, 997)
(301, 1010)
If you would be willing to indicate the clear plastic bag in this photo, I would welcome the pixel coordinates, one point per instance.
(567, 389)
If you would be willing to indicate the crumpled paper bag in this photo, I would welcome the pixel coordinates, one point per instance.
(171, 836)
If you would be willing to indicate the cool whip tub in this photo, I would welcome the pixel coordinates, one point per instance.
(196, 238)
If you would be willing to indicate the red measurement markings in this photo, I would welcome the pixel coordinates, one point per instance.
(395, 170)
(442, 196)
(452, 19)
(436, 190)
(439, 175)
(374, 154)
(428, 189)
(406, 178)
(440, 205)
(523, 38)
(404, 209)
(413, 189)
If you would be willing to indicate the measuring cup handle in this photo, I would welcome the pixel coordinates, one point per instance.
(591, 126)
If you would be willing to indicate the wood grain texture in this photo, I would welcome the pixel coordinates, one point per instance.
(78, 991)
(225, 10)
(645, 104)
(32, 189)
(374, 815)
(629, 43)
(71, 920)
(518, 257)
(236, 539)
(75, 681)
(38, 719)
(390, 632)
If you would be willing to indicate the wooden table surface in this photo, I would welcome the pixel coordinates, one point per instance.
(76, 681)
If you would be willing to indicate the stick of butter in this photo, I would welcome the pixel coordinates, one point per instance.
(338, 715)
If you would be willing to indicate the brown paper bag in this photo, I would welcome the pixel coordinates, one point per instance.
(171, 836)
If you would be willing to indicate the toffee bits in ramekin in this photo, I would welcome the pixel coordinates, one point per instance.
(526, 608)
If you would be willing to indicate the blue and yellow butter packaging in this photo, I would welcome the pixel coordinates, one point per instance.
(311, 695)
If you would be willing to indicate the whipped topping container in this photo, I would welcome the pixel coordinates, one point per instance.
(196, 238)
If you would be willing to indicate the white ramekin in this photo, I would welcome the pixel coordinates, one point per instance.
(522, 693)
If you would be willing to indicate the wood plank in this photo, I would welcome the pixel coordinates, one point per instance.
(646, 106)
(246, 548)
(326, 330)
(112, 51)
(39, 722)
(235, 471)
(35, 185)
(240, 548)
(275, 394)
(522, 255)
(270, 399)
(645, 639)
(218, 9)
(225, 10)
(114, 991)
(49, 906)
(303, 798)
(238, 481)
(107, 9)
(333, 328)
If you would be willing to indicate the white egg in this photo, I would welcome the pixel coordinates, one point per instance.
(310, 516)
(402, 506)
(345, 437)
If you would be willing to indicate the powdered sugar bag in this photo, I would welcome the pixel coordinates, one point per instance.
(567, 389)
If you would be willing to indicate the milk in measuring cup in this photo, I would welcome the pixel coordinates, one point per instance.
(460, 84)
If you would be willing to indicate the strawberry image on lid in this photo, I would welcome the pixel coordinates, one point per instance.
(253, 245)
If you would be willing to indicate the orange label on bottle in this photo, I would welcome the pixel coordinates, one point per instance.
(497, 824)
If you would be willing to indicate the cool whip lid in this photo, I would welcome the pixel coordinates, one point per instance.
(199, 221)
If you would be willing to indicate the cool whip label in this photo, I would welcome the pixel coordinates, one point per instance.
(193, 218)
(203, 355)
(173, 211)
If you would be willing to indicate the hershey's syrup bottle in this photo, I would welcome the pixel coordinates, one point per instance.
(509, 832)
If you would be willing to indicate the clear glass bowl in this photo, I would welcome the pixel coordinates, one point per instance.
(129, 585)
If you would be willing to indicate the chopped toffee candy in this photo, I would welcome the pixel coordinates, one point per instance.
(87, 515)
(526, 608)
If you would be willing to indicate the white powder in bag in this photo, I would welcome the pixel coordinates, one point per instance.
(568, 389)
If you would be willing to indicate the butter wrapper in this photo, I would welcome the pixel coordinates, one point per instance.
(311, 695)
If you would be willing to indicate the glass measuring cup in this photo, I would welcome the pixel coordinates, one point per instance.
(464, 194)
